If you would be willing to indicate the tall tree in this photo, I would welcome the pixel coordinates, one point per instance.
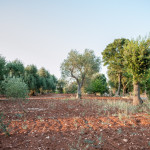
(15, 68)
(137, 59)
(47, 81)
(55, 80)
(31, 78)
(42, 73)
(113, 58)
(80, 66)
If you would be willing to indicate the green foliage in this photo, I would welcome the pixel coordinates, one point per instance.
(54, 79)
(31, 77)
(113, 53)
(98, 84)
(113, 58)
(36, 80)
(80, 66)
(71, 88)
(146, 84)
(15, 88)
(2, 67)
(47, 81)
(2, 71)
(137, 57)
(3, 125)
(60, 86)
(15, 69)
(42, 72)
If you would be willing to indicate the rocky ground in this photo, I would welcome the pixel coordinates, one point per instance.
(60, 122)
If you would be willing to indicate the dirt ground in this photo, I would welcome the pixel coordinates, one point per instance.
(60, 122)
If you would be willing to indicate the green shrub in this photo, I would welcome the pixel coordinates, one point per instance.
(15, 88)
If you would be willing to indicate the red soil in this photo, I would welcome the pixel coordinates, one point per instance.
(72, 124)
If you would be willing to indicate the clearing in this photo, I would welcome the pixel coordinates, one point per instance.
(60, 122)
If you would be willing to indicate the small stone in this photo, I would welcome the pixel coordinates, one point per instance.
(47, 137)
(125, 140)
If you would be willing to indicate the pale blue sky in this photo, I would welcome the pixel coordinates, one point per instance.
(42, 32)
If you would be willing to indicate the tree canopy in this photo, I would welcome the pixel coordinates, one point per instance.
(80, 66)
(113, 58)
(15, 68)
(137, 59)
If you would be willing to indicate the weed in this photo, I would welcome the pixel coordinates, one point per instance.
(24, 127)
(40, 118)
(76, 146)
(149, 143)
(82, 131)
(75, 123)
(19, 115)
(119, 131)
(120, 116)
(3, 126)
(100, 142)
(89, 141)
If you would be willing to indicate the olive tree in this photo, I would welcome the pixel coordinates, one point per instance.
(31, 78)
(113, 58)
(137, 59)
(80, 66)
(47, 81)
(15, 69)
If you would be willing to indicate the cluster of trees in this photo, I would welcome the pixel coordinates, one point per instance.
(37, 81)
(128, 64)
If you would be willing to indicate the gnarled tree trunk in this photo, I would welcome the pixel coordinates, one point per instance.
(136, 96)
(79, 92)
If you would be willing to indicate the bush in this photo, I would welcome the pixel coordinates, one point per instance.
(15, 88)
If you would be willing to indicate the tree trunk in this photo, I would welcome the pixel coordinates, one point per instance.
(79, 92)
(119, 86)
(124, 90)
(136, 96)
(22, 108)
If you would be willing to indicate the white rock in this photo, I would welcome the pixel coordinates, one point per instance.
(47, 137)
(125, 140)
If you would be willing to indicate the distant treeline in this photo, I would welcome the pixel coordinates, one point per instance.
(38, 81)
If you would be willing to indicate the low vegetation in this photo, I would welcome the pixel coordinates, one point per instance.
(91, 123)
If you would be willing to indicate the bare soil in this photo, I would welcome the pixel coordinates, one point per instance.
(60, 122)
